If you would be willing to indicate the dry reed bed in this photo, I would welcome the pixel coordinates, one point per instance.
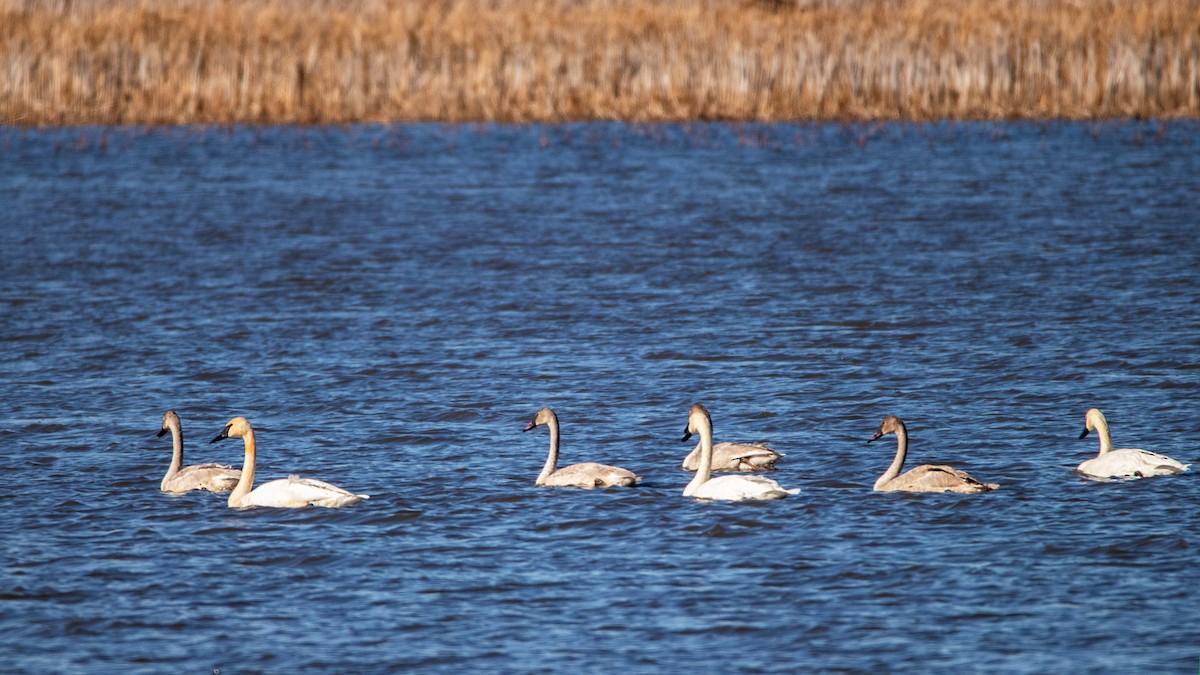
(290, 61)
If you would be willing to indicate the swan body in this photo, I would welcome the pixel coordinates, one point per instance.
(1125, 462)
(924, 478)
(735, 457)
(586, 475)
(290, 492)
(212, 477)
(728, 487)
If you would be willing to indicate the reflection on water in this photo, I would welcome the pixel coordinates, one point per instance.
(389, 305)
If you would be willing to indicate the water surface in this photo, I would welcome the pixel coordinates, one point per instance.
(390, 305)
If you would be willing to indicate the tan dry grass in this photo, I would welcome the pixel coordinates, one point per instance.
(289, 61)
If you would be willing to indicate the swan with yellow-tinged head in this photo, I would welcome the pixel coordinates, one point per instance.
(729, 487)
(1126, 462)
(212, 477)
(290, 492)
(924, 478)
(586, 475)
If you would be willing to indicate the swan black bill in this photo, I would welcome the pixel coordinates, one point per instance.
(161, 432)
(687, 433)
(1085, 433)
(224, 434)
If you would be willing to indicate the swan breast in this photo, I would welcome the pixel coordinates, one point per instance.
(735, 457)
(1131, 463)
(295, 492)
(590, 475)
(741, 488)
(936, 478)
(211, 477)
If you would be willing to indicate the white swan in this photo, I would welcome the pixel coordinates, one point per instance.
(290, 492)
(735, 457)
(586, 475)
(212, 477)
(1126, 462)
(727, 487)
(924, 478)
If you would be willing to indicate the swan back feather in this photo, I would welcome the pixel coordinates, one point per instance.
(735, 457)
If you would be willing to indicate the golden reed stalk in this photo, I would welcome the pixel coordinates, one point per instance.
(69, 62)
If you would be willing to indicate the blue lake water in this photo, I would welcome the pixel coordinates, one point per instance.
(389, 306)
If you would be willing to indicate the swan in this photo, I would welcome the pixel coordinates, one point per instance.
(924, 478)
(735, 457)
(587, 475)
(212, 477)
(290, 492)
(1126, 462)
(728, 487)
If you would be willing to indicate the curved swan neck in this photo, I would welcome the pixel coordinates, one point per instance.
(176, 453)
(706, 458)
(246, 482)
(898, 462)
(552, 458)
(1102, 432)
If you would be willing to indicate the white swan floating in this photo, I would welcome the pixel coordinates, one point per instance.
(586, 475)
(728, 487)
(735, 457)
(924, 478)
(212, 477)
(290, 492)
(1126, 462)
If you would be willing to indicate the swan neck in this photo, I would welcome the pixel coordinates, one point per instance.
(246, 482)
(897, 463)
(706, 459)
(552, 457)
(1105, 438)
(176, 454)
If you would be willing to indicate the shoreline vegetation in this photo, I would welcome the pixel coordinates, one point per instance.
(150, 62)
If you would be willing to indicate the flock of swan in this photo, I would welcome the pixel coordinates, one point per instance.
(736, 458)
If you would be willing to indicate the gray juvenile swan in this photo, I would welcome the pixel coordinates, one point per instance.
(729, 487)
(290, 492)
(586, 475)
(212, 477)
(924, 478)
(1126, 462)
(735, 457)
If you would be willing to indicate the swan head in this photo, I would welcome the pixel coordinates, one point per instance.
(543, 416)
(236, 428)
(170, 420)
(1093, 420)
(890, 425)
(697, 416)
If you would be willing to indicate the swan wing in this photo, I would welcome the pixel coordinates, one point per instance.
(741, 488)
(735, 457)
(591, 474)
(1131, 463)
(211, 477)
(293, 492)
(938, 478)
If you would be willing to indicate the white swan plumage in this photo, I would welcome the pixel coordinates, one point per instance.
(290, 492)
(212, 477)
(730, 487)
(1125, 462)
(924, 478)
(757, 456)
(586, 475)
